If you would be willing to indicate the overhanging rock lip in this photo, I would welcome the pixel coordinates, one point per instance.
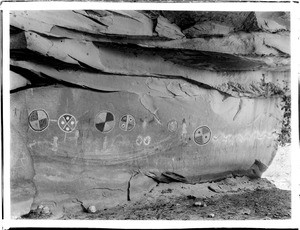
(190, 58)
(254, 172)
(257, 87)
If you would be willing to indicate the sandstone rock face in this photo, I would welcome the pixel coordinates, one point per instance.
(105, 104)
(22, 168)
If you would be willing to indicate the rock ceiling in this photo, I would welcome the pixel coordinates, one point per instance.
(238, 53)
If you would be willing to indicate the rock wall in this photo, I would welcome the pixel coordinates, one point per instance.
(105, 104)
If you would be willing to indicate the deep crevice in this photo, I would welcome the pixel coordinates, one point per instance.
(41, 80)
(113, 37)
(14, 30)
(33, 56)
(50, 81)
(128, 185)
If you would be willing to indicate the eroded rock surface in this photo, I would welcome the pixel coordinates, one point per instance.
(106, 104)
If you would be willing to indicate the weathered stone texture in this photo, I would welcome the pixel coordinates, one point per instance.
(188, 97)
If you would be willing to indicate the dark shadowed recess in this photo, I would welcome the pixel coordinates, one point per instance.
(45, 80)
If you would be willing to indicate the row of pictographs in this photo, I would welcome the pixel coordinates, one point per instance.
(105, 122)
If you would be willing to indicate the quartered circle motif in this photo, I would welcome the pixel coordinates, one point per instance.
(127, 122)
(105, 121)
(38, 120)
(202, 135)
(67, 123)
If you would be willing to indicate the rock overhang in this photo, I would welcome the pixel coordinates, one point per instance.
(204, 95)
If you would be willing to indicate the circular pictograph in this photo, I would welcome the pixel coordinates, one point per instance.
(202, 135)
(105, 121)
(127, 122)
(172, 125)
(67, 122)
(38, 120)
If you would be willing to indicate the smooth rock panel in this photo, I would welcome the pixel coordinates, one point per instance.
(21, 164)
(91, 144)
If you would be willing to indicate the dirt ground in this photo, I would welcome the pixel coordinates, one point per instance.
(258, 204)
(238, 198)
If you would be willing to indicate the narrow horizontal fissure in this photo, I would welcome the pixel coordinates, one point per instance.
(49, 36)
(205, 36)
(143, 47)
(86, 66)
(110, 189)
(26, 87)
(278, 31)
(205, 86)
(32, 56)
(197, 83)
(51, 62)
(198, 59)
(281, 53)
(104, 37)
(43, 80)
(34, 79)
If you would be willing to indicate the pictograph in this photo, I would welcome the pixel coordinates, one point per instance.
(127, 122)
(38, 120)
(202, 135)
(172, 125)
(147, 140)
(139, 140)
(67, 123)
(105, 121)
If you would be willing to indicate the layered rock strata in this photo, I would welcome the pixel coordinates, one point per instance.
(105, 104)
